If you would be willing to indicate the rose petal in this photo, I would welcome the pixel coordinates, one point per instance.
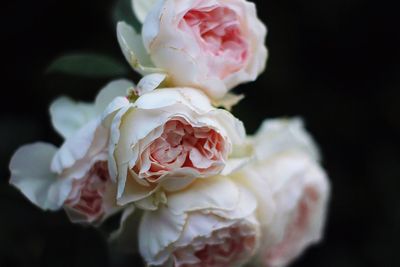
(88, 142)
(149, 82)
(194, 99)
(279, 135)
(141, 8)
(133, 50)
(134, 191)
(206, 194)
(200, 225)
(157, 230)
(30, 173)
(117, 88)
(246, 206)
(68, 116)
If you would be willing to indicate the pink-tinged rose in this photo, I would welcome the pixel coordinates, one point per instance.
(75, 176)
(213, 45)
(165, 140)
(202, 227)
(92, 197)
(300, 192)
(287, 166)
(228, 246)
(181, 146)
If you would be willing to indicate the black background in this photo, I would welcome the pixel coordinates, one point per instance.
(333, 62)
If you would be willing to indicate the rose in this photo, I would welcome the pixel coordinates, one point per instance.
(68, 177)
(219, 44)
(202, 226)
(165, 140)
(92, 197)
(212, 45)
(75, 176)
(287, 167)
(301, 201)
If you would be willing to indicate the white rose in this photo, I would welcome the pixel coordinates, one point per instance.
(277, 135)
(212, 45)
(165, 140)
(287, 169)
(300, 190)
(75, 176)
(210, 224)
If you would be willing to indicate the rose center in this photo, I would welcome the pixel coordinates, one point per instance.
(217, 30)
(87, 193)
(182, 145)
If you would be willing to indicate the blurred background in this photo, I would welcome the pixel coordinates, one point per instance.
(336, 63)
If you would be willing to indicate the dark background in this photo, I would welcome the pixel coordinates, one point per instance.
(333, 62)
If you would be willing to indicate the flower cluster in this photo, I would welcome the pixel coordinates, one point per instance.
(209, 194)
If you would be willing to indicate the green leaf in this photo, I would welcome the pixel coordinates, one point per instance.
(123, 11)
(88, 65)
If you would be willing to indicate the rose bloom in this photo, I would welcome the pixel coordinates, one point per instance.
(165, 140)
(213, 45)
(202, 227)
(290, 172)
(75, 176)
(92, 197)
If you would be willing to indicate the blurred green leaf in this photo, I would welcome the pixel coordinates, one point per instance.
(123, 11)
(89, 65)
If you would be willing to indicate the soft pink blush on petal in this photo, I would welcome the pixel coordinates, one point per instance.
(226, 247)
(182, 146)
(86, 197)
(217, 31)
(296, 230)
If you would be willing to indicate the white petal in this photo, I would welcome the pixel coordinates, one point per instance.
(234, 127)
(280, 135)
(116, 111)
(192, 98)
(205, 194)
(110, 91)
(149, 83)
(68, 116)
(151, 24)
(30, 173)
(158, 229)
(132, 191)
(179, 179)
(133, 49)
(141, 8)
(77, 146)
(113, 107)
(260, 188)
(233, 165)
(110, 200)
(246, 206)
(201, 225)
(129, 127)
(228, 101)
